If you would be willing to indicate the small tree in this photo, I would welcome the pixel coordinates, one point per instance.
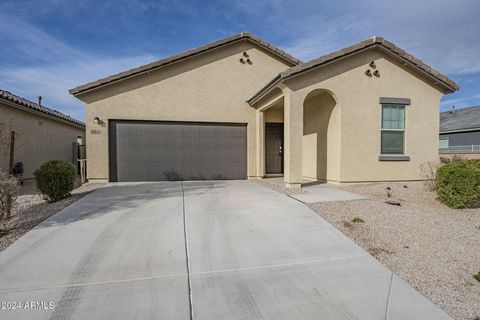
(9, 188)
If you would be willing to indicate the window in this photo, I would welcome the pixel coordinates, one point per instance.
(393, 129)
(443, 143)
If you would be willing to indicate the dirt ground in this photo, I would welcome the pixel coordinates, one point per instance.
(434, 248)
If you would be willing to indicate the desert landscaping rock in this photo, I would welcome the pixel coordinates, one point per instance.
(30, 209)
(434, 248)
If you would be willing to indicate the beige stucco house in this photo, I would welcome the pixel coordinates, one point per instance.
(34, 134)
(242, 108)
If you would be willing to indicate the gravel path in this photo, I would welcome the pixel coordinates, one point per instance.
(434, 248)
(30, 209)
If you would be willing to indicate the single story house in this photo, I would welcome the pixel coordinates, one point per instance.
(34, 134)
(242, 108)
(460, 132)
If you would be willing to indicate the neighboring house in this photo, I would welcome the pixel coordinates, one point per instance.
(460, 132)
(241, 108)
(36, 133)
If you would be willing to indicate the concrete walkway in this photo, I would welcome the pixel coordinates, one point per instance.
(201, 250)
(325, 193)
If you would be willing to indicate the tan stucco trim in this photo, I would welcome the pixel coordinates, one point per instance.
(293, 138)
(260, 122)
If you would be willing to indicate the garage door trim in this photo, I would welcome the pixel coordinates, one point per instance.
(112, 138)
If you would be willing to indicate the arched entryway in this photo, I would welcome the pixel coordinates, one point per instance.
(321, 136)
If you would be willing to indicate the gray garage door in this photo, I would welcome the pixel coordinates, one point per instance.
(152, 151)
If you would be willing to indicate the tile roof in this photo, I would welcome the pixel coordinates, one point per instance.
(378, 42)
(8, 96)
(243, 36)
(465, 119)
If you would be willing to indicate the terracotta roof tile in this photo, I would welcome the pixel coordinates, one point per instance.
(8, 96)
(243, 36)
(450, 85)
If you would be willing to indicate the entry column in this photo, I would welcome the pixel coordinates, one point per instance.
(260, 143)
(293, 139)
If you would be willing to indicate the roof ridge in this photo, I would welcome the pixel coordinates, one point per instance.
(184, 55)
(376, 41)
(457, 110)
(9, 96)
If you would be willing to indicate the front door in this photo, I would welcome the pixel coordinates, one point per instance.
(274, 147)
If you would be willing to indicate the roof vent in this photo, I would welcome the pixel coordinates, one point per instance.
(453, 110)
(39, 101)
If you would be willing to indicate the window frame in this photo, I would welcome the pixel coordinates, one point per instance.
(443, 138)
(404, 130)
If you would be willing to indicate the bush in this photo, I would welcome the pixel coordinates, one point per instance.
(477, 276)
(55, 179)
(458, 184)
(474, 162)
(8, 193)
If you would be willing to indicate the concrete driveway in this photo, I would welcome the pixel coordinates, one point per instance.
(202, 250)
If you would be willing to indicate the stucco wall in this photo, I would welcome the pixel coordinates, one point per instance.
(213, 87)
(38, 139)
(274, 114)
(358, 97)
(321, 137)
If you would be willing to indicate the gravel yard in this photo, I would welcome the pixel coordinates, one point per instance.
(434, 248)
(30, 209)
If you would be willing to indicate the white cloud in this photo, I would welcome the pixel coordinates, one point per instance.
(53, 81)
(52, 67)
(443, 33)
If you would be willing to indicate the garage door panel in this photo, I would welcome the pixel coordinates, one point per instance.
(151, 151)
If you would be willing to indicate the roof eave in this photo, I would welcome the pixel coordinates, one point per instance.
(265, 90)
(376, 42)
(460, 130)
(77, 124)
(438, 81)
(244, 36)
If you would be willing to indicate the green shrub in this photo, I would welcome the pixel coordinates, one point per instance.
(477, 276)
(474, 162)
(458, 184)
(55, 179)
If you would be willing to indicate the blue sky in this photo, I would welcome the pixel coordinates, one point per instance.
(50, 46)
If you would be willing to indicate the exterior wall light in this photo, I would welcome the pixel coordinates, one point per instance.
(96, 120)
(368, 72)
(245, 55)
(376, 73)
(373, 65)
